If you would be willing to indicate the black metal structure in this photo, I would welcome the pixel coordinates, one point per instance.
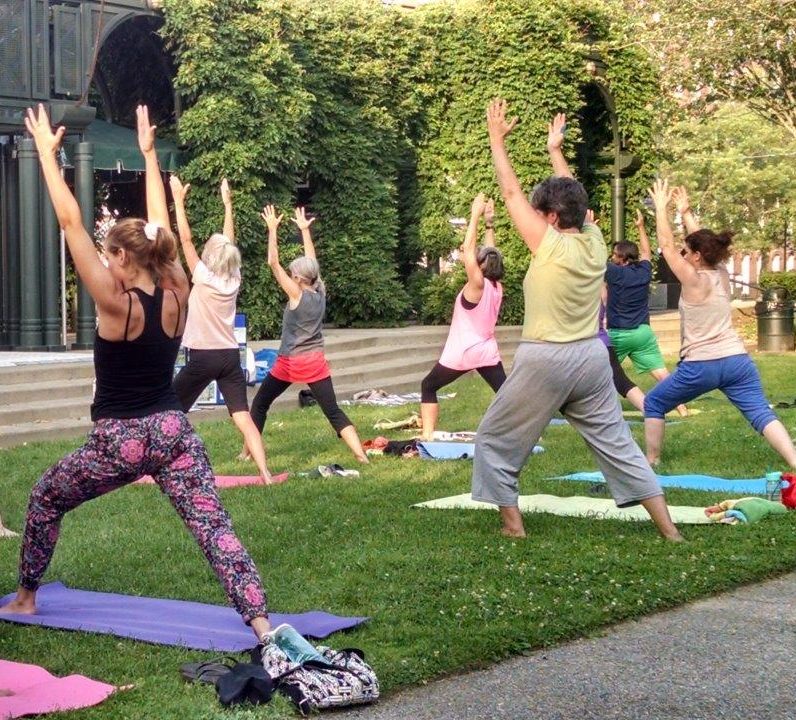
(49, 52)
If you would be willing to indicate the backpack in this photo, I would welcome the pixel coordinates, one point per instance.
(340, 679)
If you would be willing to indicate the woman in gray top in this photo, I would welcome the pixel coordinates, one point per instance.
(301, 358)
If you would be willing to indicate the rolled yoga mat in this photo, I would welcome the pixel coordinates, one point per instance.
(164, 622)
(742, 486)
(35, 691)
(594, 508)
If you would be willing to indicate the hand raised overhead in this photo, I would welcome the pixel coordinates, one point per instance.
(680, 197)
(478, 205)
(226, 194)
(555, 132)
(300, 218)
(489, 211)
(178, 190)
(146, 132)
(496, 121)
(38, 125)
(272, 220)
(661, 194)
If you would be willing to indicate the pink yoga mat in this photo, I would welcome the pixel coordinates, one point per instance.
(35, 691)
(227, 481)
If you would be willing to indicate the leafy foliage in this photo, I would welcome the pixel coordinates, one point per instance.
(380, 114)
(724, 50)
(785, 280)
(739, 171)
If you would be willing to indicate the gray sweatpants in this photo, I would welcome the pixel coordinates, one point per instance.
(574, 378)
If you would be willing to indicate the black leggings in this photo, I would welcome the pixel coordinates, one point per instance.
(322, 390)
(440, 376)
(622, 382)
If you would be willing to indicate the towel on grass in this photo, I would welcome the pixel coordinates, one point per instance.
(745, 486)
(35, 691)
(161, 621)
(453, 450)
(595, 508)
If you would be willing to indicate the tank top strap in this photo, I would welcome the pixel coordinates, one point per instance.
(152, 305)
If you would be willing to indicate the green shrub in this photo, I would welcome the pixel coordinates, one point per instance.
(786, 280)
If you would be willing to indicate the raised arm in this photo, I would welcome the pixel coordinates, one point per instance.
(92, 272)
(229, 220)
(287, 283)
(530, 225)
(683, 206)
(475, 278)
(179, 192)
(489, 223)
(555, 143)
(661, 197)
(303, 224)
(645, 252)
(156, 208)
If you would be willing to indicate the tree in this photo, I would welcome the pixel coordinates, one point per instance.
(724, 50)
(739, 171)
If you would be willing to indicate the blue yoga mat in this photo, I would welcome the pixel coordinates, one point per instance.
(743, 486)
(453, 450)
(164, 622)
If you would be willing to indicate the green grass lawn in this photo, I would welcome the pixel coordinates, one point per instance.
(444, 590)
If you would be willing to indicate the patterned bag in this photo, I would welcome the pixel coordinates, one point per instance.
(342, 678)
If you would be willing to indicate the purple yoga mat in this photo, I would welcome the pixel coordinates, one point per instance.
(164, 622)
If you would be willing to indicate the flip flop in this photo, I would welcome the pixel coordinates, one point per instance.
(208, 671)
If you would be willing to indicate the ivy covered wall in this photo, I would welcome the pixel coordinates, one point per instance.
(374, 117)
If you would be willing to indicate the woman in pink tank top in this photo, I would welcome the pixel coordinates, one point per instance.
(471, 343)
(712, 356)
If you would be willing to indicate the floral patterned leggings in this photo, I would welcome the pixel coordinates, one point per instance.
(165, 446)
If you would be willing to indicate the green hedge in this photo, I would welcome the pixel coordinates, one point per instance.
(785, 280)
(381, 112)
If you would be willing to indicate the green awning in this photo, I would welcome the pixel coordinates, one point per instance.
(116, 148)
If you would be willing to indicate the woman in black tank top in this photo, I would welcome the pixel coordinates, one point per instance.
(141, 295)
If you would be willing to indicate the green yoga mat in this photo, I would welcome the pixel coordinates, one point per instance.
(596, 508)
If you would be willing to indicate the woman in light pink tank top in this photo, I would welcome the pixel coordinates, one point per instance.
(471, 343)
(712, 356)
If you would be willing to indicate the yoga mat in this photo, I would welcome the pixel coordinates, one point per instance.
(595, 508)
(164, 622)
(35, 691)
(453, 450)
(742, 486)
(226, 481)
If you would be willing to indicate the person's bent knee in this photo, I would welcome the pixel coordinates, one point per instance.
(654, 408)
(428, 391)
(762, 419)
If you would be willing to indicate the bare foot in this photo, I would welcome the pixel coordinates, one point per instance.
(20, 607)
(364, 459)
(676, 538)
(682, 411)
(512, 532)
(653, 461)
(244, 456)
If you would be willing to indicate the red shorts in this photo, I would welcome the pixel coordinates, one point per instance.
(305, 368)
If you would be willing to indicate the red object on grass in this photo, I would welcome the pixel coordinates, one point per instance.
(788, 494)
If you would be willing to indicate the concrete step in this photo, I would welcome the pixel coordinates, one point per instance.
(49, 409)
(21, 393)
(23, 433)
(50, 372)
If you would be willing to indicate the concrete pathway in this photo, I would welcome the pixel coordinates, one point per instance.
(731, 657)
